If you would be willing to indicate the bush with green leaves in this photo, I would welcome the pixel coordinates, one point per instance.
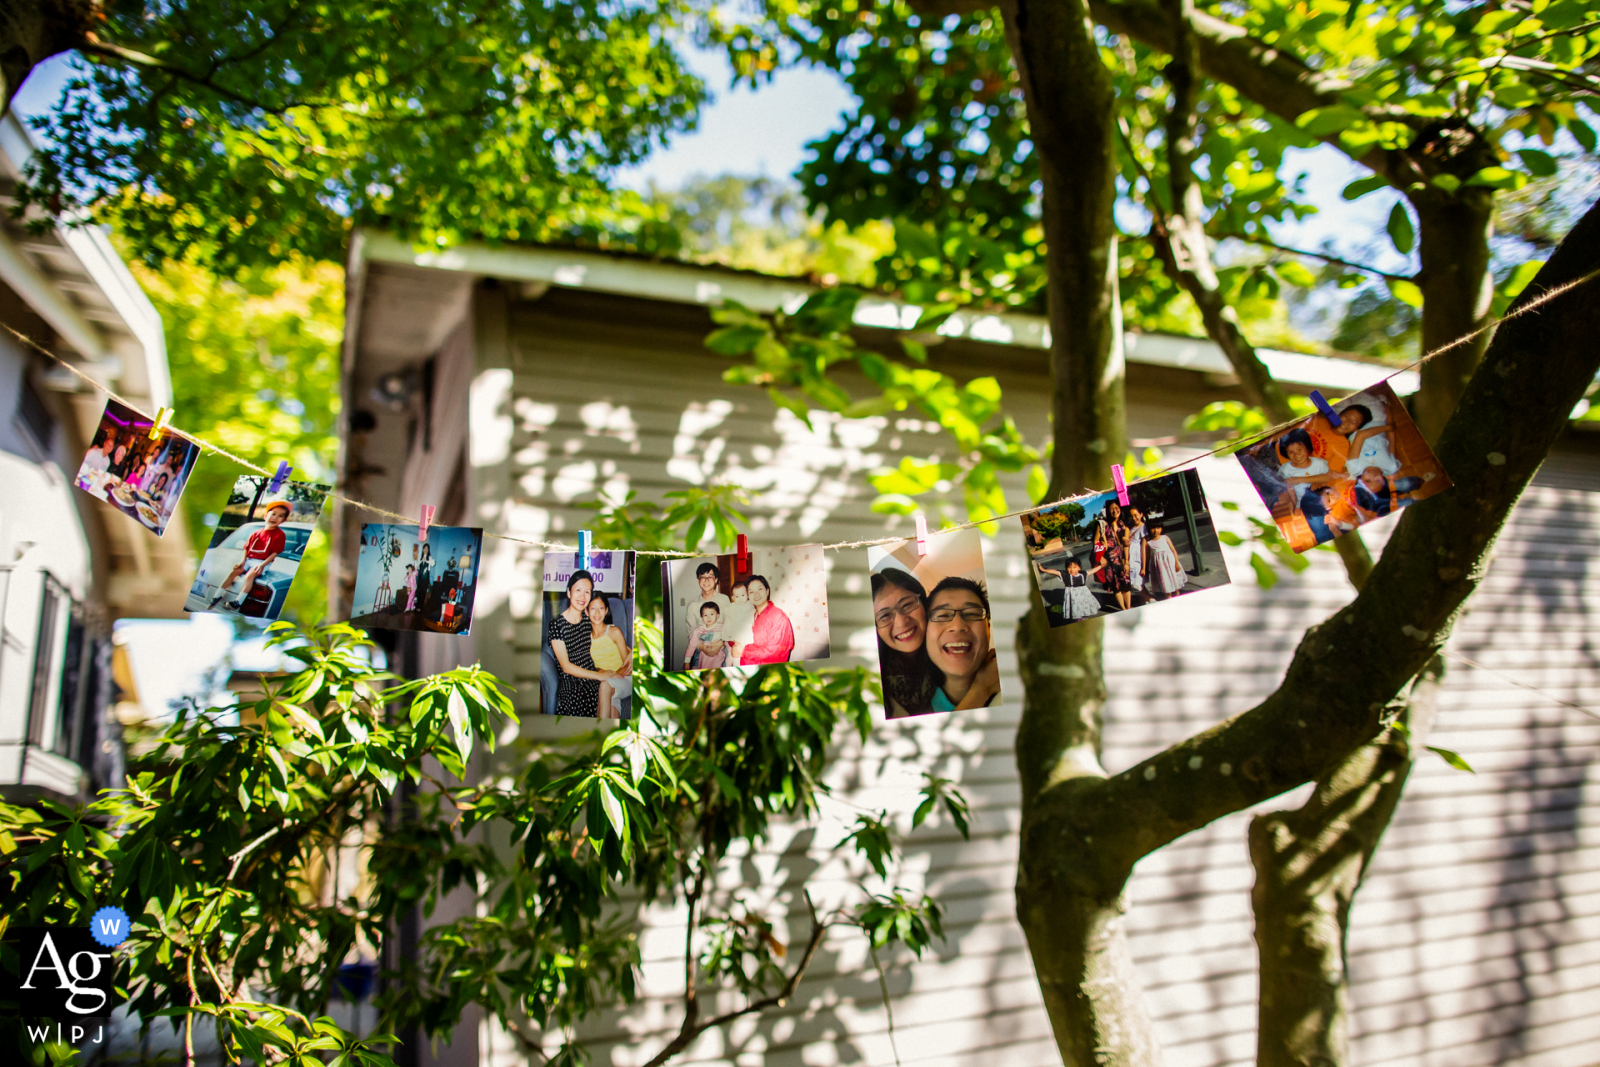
(222, 844)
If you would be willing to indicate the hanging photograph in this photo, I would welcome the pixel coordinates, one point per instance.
(717, 615)
(404, 585)
(139, 475)
(1322, 479)
(586, 657)
(256, 548)
(935, 634)
(1094, 557)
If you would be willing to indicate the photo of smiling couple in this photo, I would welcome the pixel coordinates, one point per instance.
(931, 614)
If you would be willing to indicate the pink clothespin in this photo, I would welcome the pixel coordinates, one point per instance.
(1122, 486)
(426, 519)
(742, 563)
(922, 535)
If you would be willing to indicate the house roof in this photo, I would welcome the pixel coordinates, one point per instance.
(404, 321)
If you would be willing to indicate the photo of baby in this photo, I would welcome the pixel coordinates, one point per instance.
(406, 584)
(586, 656)
(1322, 479)
(139, 475)
(256, 548)
(931, 614)
(1092, 556)
(718, 615)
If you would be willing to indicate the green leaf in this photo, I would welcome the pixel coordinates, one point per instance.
(1448, 182)
(1038, 483)
(1584, 134)
(736, 340)
(1295, 273)
(1229, 538)
(1266, 575)
(1362, 186)
(1407, 292)
(1498, 178)
(1452, 758)
(615, 814)
(1539, 163)
(1325, 121)
(1400, 229)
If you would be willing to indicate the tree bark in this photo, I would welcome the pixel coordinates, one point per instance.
(1457, 290)
(1082, 834)
(1309, 864)
(1076, 938)
(31, 31)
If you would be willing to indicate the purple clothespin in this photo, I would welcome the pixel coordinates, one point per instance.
(1121, 486)
(1324, 407)
(279, 478)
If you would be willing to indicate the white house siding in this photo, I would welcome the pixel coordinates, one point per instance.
(1475, 941)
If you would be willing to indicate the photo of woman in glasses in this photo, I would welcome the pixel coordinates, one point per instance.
(931, 615)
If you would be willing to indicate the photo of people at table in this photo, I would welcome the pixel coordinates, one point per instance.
(139, 475)
(404, 584)
(717, 614)
(586, 660)
(935, 635)
(256, 547)
(1093, 556)
(1322, 478)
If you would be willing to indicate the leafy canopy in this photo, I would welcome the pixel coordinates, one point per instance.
(239, 132)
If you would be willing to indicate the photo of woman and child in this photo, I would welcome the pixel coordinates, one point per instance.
(931, 614)
(138, 475)
(1093, 556)
(586, 662)
(1322, 478)
(775, 610)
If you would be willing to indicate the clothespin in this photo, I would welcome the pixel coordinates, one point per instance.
(425, 520)
(922, 535)
(159, 427)
(1122, 486)
(583, 550)
(278, 479)
(1324, 407)
(742, 561)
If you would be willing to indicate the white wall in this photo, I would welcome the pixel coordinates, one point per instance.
(1476, 941)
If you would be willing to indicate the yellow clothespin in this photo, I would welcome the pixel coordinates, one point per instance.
(160, 425)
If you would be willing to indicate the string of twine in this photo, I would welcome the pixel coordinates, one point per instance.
(1475, 665)
(1233, 445)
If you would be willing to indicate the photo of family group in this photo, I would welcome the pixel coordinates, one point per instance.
(1322, 479)
(718, 615)
(1093, 557)
(935, 637)
(139, 475)
(404, 585)
(256, 548)
(586, 658)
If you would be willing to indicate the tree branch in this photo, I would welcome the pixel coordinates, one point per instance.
(1513, 410)
(1324, 256)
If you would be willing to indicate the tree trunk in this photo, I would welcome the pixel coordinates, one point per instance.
(1457, 290)
(31, 31)
(1082, 833)
(1074, 930)
(1309, 864)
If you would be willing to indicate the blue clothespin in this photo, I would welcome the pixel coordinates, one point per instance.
(279, 478)
(1324, 407)
(583, 550)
